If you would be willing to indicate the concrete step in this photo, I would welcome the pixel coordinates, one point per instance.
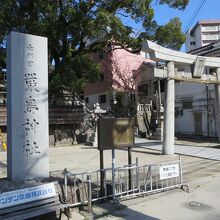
(155, 137)
(157, 134)
(89, 143)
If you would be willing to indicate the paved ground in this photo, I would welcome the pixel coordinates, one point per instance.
(201, 203)
(202, 175)
(196, 149)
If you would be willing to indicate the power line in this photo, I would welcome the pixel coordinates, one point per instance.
(192, 18)
(195, 14)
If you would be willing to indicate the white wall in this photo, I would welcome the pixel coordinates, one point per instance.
(188, 41)
(93, 99)
(198, 94)
(185, 124)
(198, 36)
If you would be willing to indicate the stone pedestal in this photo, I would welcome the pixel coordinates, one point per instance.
(27, 107)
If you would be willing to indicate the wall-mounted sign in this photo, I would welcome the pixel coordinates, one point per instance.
(115, 133)
(169, 171)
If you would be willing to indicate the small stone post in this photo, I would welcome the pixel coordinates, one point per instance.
(169, 113)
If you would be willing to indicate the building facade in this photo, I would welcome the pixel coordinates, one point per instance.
(195, 109)
(202, 34)
(195, 103)
(116, 88)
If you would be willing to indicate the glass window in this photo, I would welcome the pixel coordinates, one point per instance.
(143, 89)
(87, 99)
(132, 97)
(210, 36)
(162, 85)
(101, 76)
(187, 104)
(211, 28)
(102, 99)
(101, 55)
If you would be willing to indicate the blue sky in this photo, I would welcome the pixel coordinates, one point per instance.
(210, 10)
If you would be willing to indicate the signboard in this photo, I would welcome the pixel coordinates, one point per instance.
(30, 194)
(115, 133)
(169, 171)
(199, 67)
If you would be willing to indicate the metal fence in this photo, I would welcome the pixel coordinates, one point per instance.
(134, 180)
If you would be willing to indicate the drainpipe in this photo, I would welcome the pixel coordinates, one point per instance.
(207, 108)
(217, 95)
(159, 93)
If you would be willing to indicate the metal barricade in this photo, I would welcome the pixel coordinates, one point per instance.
(81, 187)
(148, 178)
(133, 180)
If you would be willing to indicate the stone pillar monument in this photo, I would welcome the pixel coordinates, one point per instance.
(27, 107)
(169, 114)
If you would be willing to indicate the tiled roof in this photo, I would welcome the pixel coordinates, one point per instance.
(210, 48)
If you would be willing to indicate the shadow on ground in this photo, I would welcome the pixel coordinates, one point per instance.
(108, 210)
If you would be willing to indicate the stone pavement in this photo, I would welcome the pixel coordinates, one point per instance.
(202, 175)
(206, 152)
(202, 202)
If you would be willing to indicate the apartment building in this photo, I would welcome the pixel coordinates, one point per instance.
(195, 105)
(202, 34)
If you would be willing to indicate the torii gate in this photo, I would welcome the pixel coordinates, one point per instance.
(159, 53)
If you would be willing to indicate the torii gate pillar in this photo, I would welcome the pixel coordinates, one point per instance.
(169, 114)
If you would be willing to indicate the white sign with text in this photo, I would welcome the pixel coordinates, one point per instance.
(169, 171)
(30, 194)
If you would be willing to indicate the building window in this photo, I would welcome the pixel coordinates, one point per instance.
(210, 71)
(210, 36)
(162, 84)
(132, 97)
(143, 89)
(178, 112)
(187, 104)
(147, 55)
(211, 28)
(101, 55)
(102, 99)
(87, 99)
(192, 43)
(101, 76)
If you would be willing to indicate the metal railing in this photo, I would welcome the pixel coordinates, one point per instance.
(144, 107)
(134, 180)
(146, 179)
